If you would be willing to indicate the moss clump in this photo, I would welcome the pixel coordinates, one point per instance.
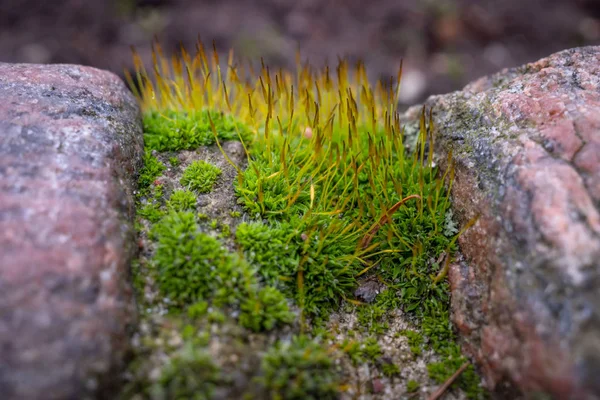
(371, 349)
(189, 262)
(174, 161)
(335, 190)
(200, 176)
(170, 130)
(390, 369)
(286, 251)
(273, 249)
(193, 269)
(151, 170)
(265, 310)
(415, 341)
(412, 386)
(182, 200)
(353, 349)
(151, 212)
(190, 374)
(372, 318)
(300, 369)
(198, 310)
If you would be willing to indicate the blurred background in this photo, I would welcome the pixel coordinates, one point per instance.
(444, 43)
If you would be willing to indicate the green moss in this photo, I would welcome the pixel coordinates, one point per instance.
(415, 341)
(174, 161)
(198, 309)
(200, 176)
(216, 317)
(390, 369)
(322, 211)
(182, 200)
(452, 359)
(286, 251)
(371, 349)
(235, 214)
(372, 318)
(190, 374)
(265, 310)
(202, 217)
(271, 249)
(138, 278)
(188, 261)
(178, 130)
(353, 349)
(225, 231)
(151, 212)
(148, 174)
(412, 386)
(300, 369)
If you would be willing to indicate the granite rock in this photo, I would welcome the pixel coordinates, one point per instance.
(70, 145)
(526, 289)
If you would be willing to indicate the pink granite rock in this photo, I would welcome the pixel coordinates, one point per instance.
(70, 144)
(526, 295)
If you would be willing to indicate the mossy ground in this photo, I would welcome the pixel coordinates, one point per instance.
(313, 265)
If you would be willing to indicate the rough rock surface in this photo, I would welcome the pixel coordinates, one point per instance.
(526, 296)
(70, 143)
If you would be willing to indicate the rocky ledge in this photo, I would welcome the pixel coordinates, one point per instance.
(70, 144)
(526, 293)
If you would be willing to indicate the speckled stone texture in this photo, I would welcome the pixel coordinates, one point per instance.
(526, 295)
(70, 144)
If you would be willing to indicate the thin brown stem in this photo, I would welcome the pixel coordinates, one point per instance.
(442, 389)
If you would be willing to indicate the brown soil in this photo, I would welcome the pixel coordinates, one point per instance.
(445, 43)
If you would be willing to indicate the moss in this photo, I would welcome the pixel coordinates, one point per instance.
(390, 369)
(216, 317)
(198, 309)
(188, 261)
(283, 251)
(300, 369)
(174, 161)
(151, 212)
(415, 341)
(190, 374)
(452, 359)
(202, 217)
(412, 386)
(200, 176)
(182, 200)
(225, 231)
(353, 349)
(326, 204)
(270, 249)
(265, 310)
(180, 130)
(371, 349)
(372, 318)
(148, 174)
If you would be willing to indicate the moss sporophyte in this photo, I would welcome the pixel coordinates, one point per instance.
(332, 193)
